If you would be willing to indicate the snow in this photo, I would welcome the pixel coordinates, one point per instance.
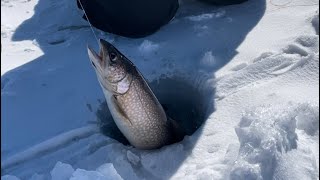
(37, 177)
(133, 158)
(61, 171)
(264, 134)
(49, 145)
(148, 47)
(242, 80)
(104, 172)
(9, 177)
(109, 171)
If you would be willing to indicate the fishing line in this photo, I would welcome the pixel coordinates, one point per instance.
(88, 21)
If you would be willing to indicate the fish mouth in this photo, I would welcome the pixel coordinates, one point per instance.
(96, 61)
(100, 58)
(95, 58)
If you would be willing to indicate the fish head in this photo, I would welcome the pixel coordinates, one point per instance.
(110, 65)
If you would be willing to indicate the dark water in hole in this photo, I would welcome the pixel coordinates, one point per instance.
(183, 101)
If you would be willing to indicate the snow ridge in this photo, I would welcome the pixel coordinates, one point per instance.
(266, 134)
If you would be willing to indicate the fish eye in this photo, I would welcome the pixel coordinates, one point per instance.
(113, 56)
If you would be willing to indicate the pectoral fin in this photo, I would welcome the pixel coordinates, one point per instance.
(119, 110)
(109, 87)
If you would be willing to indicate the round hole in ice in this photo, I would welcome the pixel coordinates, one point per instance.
(187, 101)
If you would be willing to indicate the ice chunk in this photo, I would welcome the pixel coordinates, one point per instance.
(297, 165)
(246, 171)
(134, 159)
(264, 134)
(61, 171)
(308, 119)
(109, 171)
(37, 176)
(81, 174)
(9, 177)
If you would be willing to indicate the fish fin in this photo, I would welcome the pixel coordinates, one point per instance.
(108, 88)
(119, 110)
(177, 130)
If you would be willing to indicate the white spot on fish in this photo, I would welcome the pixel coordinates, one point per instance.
(123, 86)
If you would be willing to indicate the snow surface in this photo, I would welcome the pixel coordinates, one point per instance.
(242, 80)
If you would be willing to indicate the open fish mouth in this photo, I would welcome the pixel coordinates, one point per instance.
(98, 59)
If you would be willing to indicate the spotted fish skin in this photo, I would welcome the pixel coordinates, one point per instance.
(133, 106)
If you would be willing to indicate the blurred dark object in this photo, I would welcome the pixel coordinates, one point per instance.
(129, 18)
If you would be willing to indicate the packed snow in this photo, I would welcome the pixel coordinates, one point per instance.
(242, 80)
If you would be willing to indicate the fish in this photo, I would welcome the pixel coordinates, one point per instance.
(135, 109)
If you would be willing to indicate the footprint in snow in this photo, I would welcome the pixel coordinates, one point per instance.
(239, 66)
(56, 39)
(270, 64)
(297, 53)
(315, 22)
